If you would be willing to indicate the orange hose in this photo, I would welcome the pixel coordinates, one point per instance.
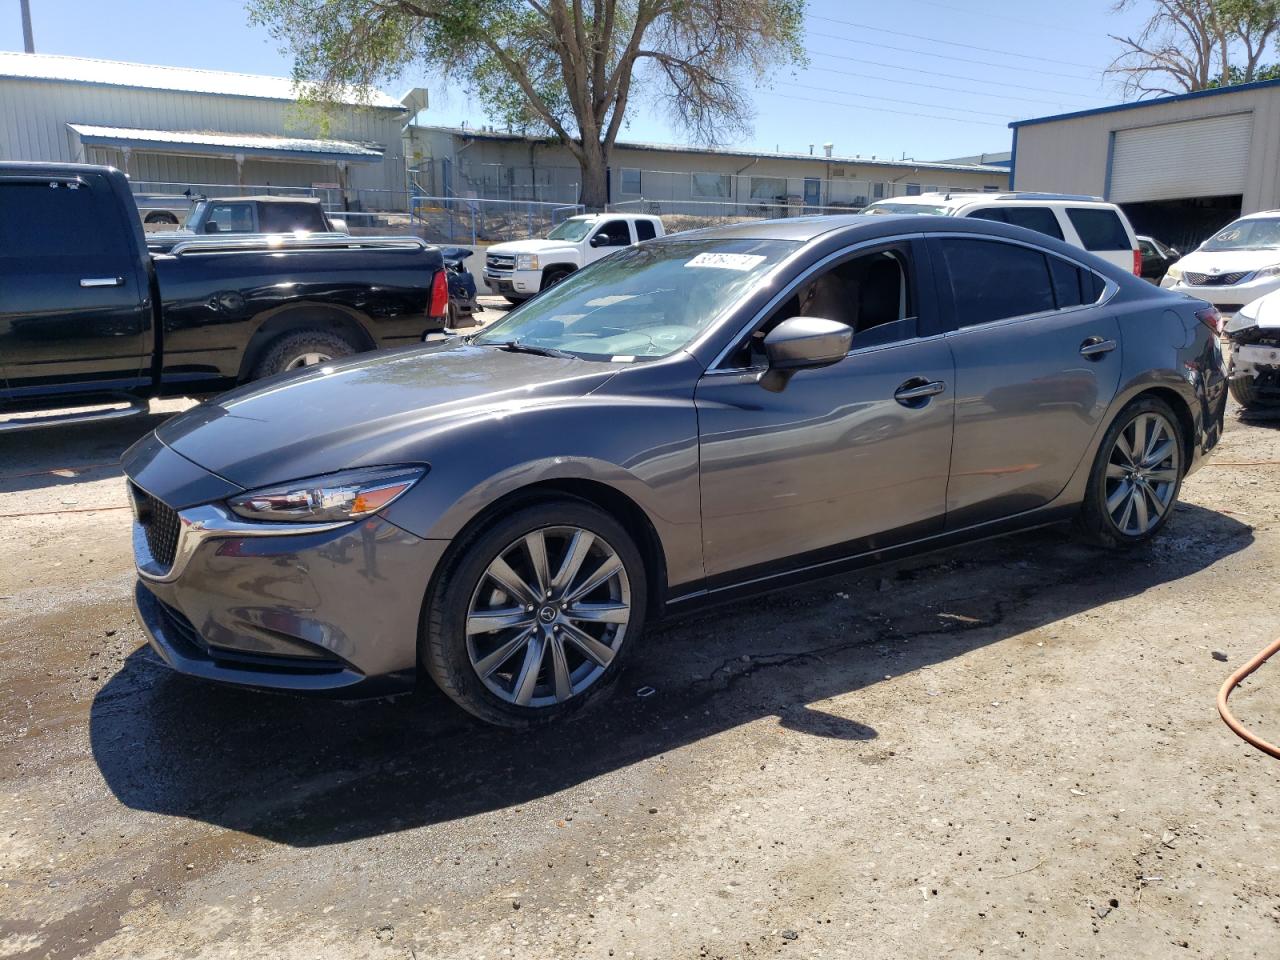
(1232, 682)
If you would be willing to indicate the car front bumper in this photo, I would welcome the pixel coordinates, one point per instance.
(520, 283)
(1230, 297)
(329, 609)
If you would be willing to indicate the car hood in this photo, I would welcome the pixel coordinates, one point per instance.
(368, 410)
(531, 246)
(1263, 313)
(1228, 261)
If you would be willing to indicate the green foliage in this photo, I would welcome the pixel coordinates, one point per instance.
(570, 67)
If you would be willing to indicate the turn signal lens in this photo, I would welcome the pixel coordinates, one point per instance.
(335, 498)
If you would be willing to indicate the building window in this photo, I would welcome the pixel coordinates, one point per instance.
(768, 189)
(931, 188)
(631, 181)
(988, 188)
(710, 186)
(913, 189)
(877, 191)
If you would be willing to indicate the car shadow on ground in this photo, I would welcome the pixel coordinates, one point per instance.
(312, 772)
(65, 456)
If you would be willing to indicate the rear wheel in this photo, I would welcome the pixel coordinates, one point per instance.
(301, 348)
(1136, 476)
(514, 301)
(534, 615)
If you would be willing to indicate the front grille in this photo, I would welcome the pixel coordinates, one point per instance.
(500, 263)
(1215, 279)
(160, 524)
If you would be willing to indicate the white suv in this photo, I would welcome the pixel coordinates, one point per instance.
(1086, 222)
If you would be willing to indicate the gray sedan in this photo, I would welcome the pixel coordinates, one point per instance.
(708, 414)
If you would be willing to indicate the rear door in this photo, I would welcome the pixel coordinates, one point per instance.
(1037, 363)
(74, 304)
(1040, 219)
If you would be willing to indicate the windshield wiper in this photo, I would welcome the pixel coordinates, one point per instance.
(515, 346)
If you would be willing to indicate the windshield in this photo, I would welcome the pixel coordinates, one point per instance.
(642, 302)
(1260, 234)
(933, 209)
(572, 230)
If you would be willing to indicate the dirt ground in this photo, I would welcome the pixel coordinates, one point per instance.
(1009, 749)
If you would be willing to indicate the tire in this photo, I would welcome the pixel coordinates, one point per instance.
(1246, 392)
(452, 320)
(523, 687)
(514, 301)
(554, 276)
(1145, 504)
(161, 217)
(296, 349)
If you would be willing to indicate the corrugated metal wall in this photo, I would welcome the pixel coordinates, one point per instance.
(34, 114)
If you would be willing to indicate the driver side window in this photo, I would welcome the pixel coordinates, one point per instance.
(872, 292)
(615, 234)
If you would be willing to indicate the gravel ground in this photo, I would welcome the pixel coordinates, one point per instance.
(1006, 749)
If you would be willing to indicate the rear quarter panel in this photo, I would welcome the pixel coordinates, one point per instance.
(213, 303)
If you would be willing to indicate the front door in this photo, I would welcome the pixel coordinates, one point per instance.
(1037, 365)
(609, 236)
(812, 192)
(74, 311)
(846, 458)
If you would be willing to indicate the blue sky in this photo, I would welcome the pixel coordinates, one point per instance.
(924, 78)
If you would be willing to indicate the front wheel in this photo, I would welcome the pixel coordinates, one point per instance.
(534, 615)
(1136, 476)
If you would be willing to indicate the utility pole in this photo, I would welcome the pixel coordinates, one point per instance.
(28, 41)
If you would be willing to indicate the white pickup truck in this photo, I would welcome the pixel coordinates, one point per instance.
(522, 268)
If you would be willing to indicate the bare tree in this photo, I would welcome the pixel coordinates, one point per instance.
(571, 67)
(1189, 45)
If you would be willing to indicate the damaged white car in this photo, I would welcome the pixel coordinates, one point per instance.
(1254, 332)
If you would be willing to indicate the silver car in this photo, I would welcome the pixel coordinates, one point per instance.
(708, 414)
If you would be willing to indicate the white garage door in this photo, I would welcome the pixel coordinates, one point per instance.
(1172, 161)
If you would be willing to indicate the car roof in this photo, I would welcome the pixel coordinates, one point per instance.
(264, 199)
(958, 199)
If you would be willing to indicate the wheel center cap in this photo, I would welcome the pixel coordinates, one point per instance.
(548, 614)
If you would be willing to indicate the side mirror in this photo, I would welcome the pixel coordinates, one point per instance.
(800, 343)
(338, 225)
(599, 240)
(1174, 254)
(211, 226)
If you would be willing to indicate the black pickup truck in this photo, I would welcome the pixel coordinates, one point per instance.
(89, 317)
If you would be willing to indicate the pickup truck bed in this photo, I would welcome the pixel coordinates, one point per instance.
(89, 315)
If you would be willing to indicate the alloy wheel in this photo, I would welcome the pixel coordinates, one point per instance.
(1142, 474)
(548, 616)
(309, 359)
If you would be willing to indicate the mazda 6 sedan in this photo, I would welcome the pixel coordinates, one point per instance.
(717, 412)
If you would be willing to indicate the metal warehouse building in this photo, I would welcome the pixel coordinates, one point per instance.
(1180, 166)
(171, 128)
(490, 164)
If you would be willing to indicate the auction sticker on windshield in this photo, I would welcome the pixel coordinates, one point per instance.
(726, 261)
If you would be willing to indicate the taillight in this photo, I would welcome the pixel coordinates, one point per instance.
(439, 305)
(1212, 319)
(1137, 263)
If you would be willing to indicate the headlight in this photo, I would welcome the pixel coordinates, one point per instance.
(1271, 271)
(527, 261)
(1174, 273)
(335, 497)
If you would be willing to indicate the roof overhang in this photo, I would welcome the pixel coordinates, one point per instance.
(229, 144)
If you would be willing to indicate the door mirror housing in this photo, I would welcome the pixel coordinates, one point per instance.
(211, 226)
(801, 343)
(599, 240)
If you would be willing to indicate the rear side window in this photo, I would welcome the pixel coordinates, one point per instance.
(644, 230)
(991, 280)
(1099, 229)
(230, 218)
(287, 217)
(57, 218)
(1040, 219)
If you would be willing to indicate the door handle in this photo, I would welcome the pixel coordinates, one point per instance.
(1095, 347)
(102, 282)
(918, 389)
